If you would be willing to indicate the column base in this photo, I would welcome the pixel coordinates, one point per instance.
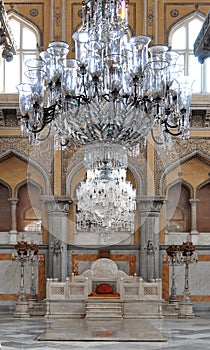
(13, 237)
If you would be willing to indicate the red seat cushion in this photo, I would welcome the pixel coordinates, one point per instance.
(104, 288)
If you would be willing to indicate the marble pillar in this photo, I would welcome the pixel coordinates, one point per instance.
(13, 231)
(149, 211)
(58, 208)
(194, 203)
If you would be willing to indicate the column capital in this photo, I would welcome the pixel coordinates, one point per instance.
(57, 203)
(194, 201)
(13, 201)
(150, 205)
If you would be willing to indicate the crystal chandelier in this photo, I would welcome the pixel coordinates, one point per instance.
(7, 41)
(115, 91)
(110, 198)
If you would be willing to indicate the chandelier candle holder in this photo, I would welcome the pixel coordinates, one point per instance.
(112, 95)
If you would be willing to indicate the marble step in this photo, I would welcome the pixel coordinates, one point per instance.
(104, 310)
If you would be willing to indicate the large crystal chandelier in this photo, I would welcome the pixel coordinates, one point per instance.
(115, 91)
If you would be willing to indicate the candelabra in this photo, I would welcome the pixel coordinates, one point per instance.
(173, 260)
(21, 255)
(33, 260)
(188, 256)
(184, 254)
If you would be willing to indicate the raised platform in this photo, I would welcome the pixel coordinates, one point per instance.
(97, 330)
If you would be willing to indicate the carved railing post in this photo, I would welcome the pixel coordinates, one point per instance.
(149, 211)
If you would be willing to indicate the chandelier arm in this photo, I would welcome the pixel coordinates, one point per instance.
(64, 144)
(45, 137)
(33, 130)
(167, 129)
(154, 139)
(49, 114)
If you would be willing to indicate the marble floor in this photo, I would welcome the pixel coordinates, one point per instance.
(183, 334)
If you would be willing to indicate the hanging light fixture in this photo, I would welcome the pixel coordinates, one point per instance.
(111, 95)
(7, 41)
(110, 199)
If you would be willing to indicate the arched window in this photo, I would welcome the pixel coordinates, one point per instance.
(26, 39)
(181, 38)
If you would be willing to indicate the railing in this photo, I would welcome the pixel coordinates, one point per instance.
(80, 287)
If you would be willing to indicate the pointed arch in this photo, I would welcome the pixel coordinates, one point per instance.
(181, 37)
(5, 184)
(27, 182)
(5, 208)
(203, 207)
(206, 182)
(183, 20)
(178, 208)
(180, 182)
(203, 157)
(29, 23)
(6, 154)
(28, 193)
(28, 38)
(79, 166)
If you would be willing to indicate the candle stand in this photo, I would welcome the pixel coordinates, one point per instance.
(188, 256)
(173, 260)
(25, 252)
(33, 254)
(21, 255)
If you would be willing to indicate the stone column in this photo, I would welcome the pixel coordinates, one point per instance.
(58, 208)
(149, 211)
(194, 203)
(13, 231)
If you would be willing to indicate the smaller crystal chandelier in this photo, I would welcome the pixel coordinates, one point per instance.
(105, 200)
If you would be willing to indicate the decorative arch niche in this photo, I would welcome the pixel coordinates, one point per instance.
(5, 209)
(178, 208)
(203, 207)
(28, 207)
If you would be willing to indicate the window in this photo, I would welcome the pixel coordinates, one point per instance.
(26, 39)
(181, 38)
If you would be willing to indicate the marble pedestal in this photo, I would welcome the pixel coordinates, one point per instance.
(21, 310)
(186, 309)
